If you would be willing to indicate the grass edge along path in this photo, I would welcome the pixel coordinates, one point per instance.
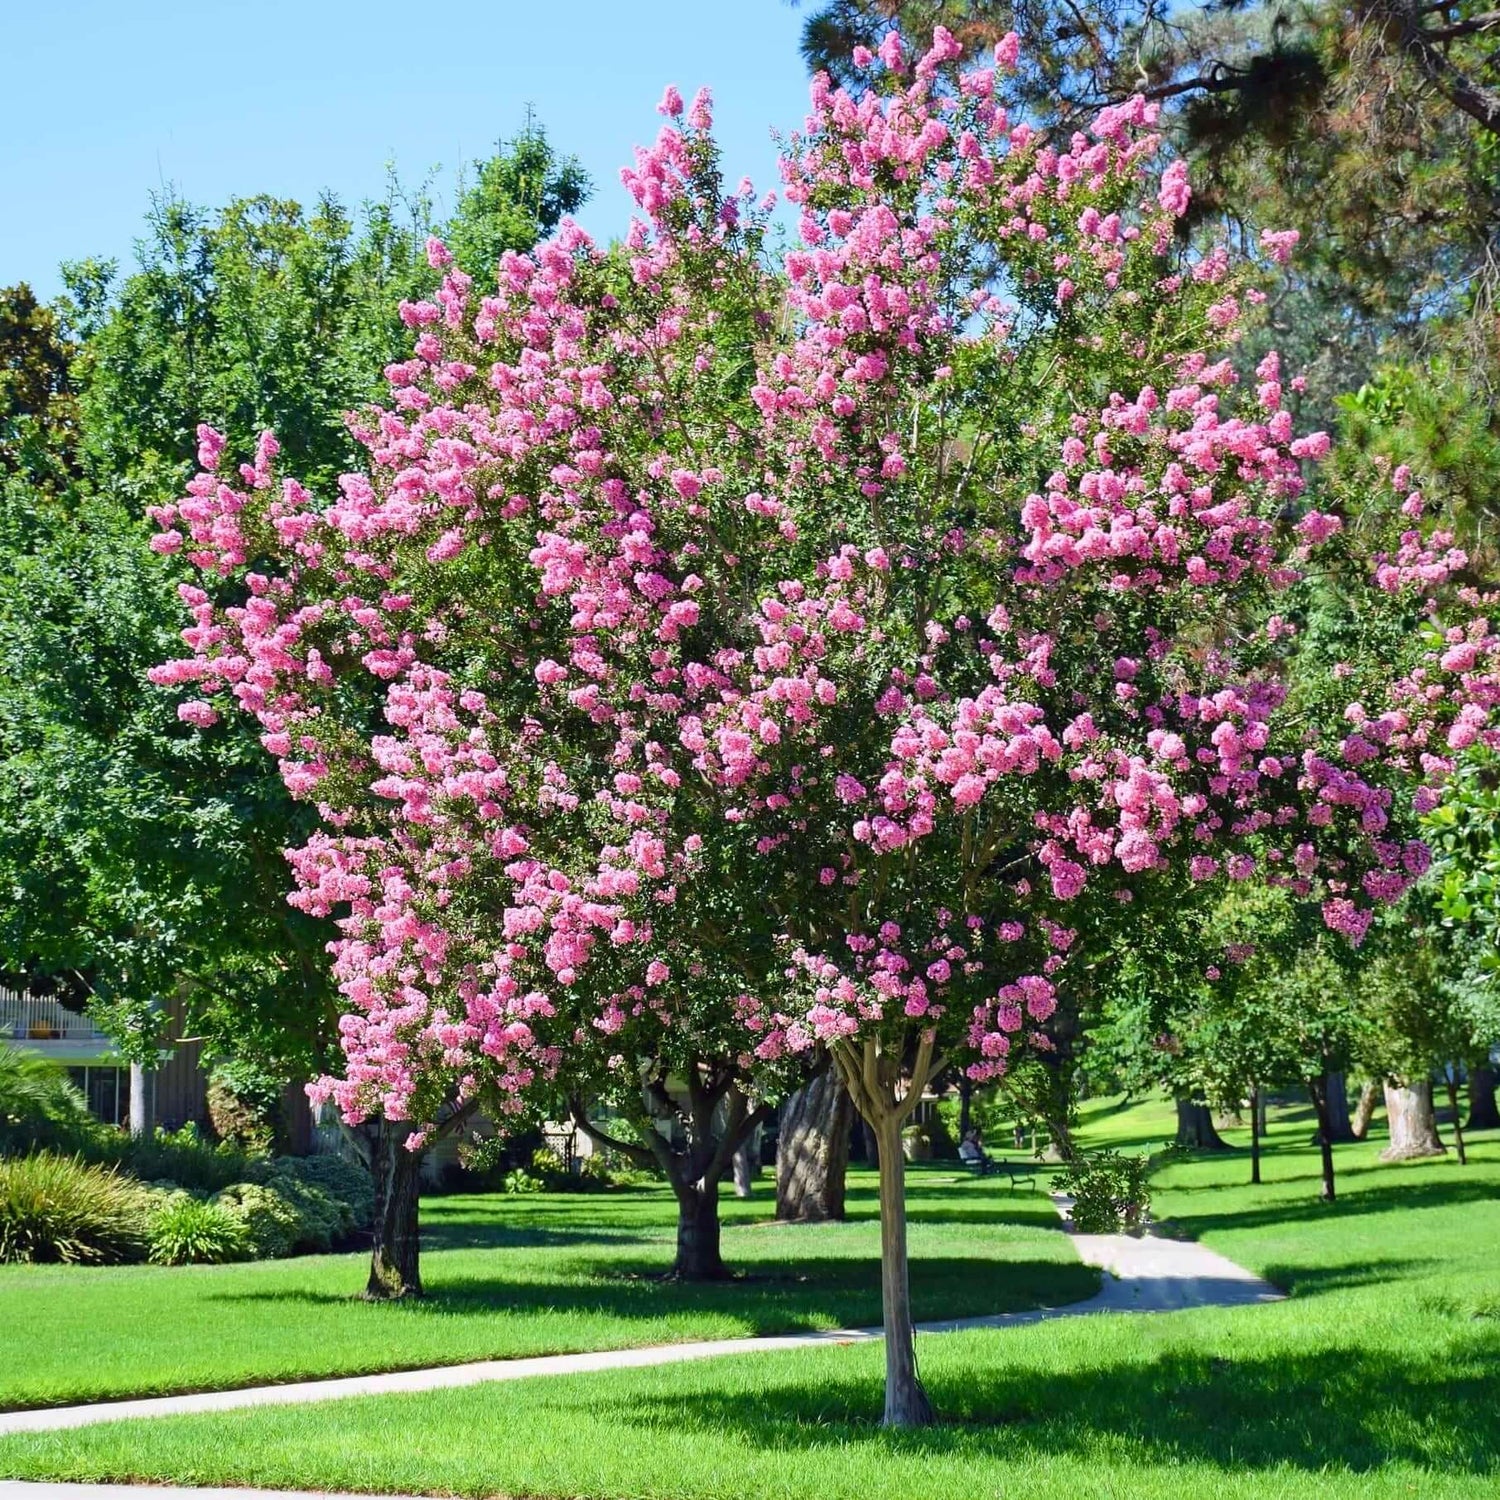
(517, 1277)
(1145, 1275)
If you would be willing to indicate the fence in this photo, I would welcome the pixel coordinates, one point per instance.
(39, 1018)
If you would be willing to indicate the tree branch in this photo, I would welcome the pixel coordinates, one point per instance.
(631, 1151)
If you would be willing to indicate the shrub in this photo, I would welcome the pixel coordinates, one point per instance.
(188, 1231)
(59, 1208)
(609, 1169)
(245, 1106)
(183, 1157)
(272, 1223)
(346, 1181)
(1109, 1191)
(322, 1217)
(519, 1180)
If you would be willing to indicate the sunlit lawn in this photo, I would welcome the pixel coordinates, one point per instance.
(519, 1275)
(1377, 1377)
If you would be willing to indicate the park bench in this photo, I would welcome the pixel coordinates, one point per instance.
(1013, 1171)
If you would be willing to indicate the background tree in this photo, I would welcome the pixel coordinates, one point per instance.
(140, 860)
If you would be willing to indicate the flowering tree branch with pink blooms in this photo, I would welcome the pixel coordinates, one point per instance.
(773, 660)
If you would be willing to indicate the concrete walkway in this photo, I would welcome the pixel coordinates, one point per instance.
(1142, 1274)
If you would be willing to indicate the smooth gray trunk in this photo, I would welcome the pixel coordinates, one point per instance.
(746, 1166)
(395, 1255)
(906, 1402)
(142, 1102)
(1364, 1111)
(698, 1255)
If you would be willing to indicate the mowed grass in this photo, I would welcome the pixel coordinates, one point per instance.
(1377, 1377)
(520, 1275)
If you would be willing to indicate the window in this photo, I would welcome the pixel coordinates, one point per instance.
(107, 1090)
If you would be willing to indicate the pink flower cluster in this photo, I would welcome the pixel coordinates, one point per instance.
(711, 663)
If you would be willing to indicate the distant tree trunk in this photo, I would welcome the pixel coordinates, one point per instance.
(1483, 1113)
(1255, 1135)
(717, 1121)
(871, 1145)
(746, 1167)
(1364, 1112)
(965, 1106)
(1336, 1092)
(1317, 1088)
(1450, 1081)
(395, 1255)
(142, 1102)
(1413, 1126)
(812, 1151)
(1195, 1127)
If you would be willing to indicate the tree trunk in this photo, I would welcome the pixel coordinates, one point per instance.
(1317, 1087)
(142, 1102)
(698, 1257)
(906, 1403)
(1450, 1080)
(1336, 1093)
(873, 1078)
(1413, 1126)
(746, 1166)
(1483, 1112)
(1364, 1111)
(1195, 1127)
(965, 1106)
(812, 1151)
(395, 1256)
(1255, 1135)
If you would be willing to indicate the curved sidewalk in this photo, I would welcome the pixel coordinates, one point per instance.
(1143, 1274)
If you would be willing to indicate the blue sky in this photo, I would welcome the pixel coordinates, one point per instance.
(219, 99)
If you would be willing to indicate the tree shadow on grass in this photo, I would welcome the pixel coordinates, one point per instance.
(1373, 1200)
(774, 1296)
(459, 1235)
(1352, 1408)
(1307, 1281)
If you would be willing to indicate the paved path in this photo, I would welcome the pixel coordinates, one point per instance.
(1142, 1275)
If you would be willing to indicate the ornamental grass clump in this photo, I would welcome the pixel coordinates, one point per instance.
(61, 1209)
(831, 657)
(189, 1231)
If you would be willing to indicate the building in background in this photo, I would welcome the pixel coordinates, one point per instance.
(55, 1026)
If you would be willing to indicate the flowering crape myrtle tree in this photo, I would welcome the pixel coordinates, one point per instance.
(822, 657)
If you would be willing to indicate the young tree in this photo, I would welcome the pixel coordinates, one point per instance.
(823, 660)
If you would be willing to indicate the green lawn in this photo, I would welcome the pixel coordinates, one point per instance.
(509, 1276)
(1377, 1377)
